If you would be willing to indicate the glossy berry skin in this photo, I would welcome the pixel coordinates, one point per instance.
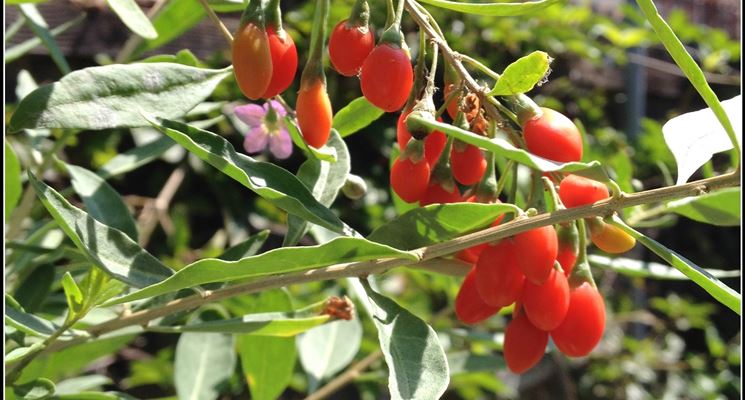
(576, 191)
(537, 250)
(409, 179)
(252, 61)
(546, 305)
(567, 258)
(437, 194)
(284, 61)
(386, 77)
(434, 143)
(524, 344)
(468, 164)
(498, 277)
(471, 254)
(584, 323)
(469, 308)
(349, 46)
(553, 136)
(453, 104)
(611, 239)
(314, 113)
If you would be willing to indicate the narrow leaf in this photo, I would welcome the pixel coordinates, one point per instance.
(37, 389)
(417, 365)
(203, 361)
(12, 180)
(28, 323)
(268, 362)
(265, 324)
(504, 148)
(277, 261)
(132, 16)
(721, 207)
(269, 181)
(324, 179)
(116, 96)
(721, 292)
(21, 49)
(108, 248)
(246, 248)
(689, 67)
(322, 154)
(493, 9)
(437, 223)
(36, 23)
(522, 75)
(326, 350)
(136, 157)
(650, 270)
(175, 18)
(73, 295)
(101, 200)
(695, 137)
(356, 115)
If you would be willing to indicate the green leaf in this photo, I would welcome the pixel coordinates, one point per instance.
(70, 361)
(522, 75)
(133, 17)
(36, 23)
(503, 148)
(356, 115)
(493, 9)
(73, 295)
(21, 49)
(184, 56)
(203, 361)
(277, 261)
(650, 270)
(101, 200)
(326, 350)
(246, 248)
(34, 289)
(15, 2)
(81, 384)
(264, 324)
(268, 362)
(136, 157)
(35, 390)
(21, 352)
(437, 223)
(297, 138)
(12, 180)
(417, 365)
(721, 207)
(116, 96)
(175, 18)
(28, 323)
(95, 396)
(721, 292)
(108, 248)
(324, 179)
(686, 63)
(269, 181)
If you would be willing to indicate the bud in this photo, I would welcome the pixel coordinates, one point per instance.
(354, 187)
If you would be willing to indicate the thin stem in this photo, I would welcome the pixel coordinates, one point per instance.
(349, 375)
(478, 64)
(314, 67)
(27, 201)
(135, 40)
(14, 372)
(216, 20)
(427, 256)
(503, 179)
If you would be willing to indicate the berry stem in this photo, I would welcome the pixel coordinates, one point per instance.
(360, 15)
(254, 13)
(555, 203)
(274, 16)
(581, 272)
(314, 66)
(486, 190)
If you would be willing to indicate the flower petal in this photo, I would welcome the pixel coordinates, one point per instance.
(280, 144)
(250, 114)
(277, 106)
(256, 139)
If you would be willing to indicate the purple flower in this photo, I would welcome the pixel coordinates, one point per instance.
(266, 127)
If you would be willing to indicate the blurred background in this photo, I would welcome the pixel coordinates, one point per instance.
(664, 339)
